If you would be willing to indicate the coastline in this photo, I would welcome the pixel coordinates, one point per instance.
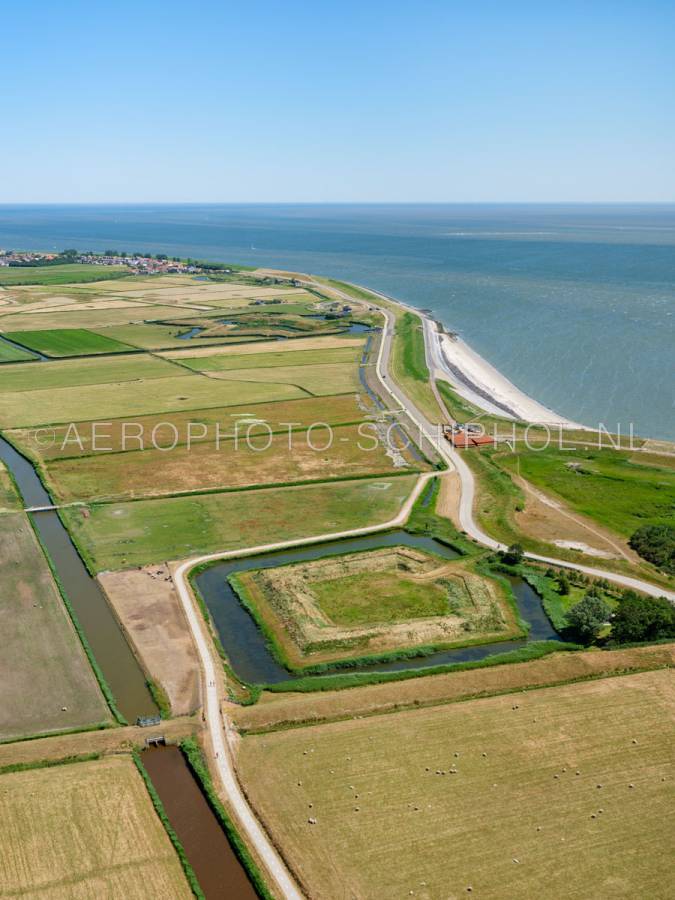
(474, 378)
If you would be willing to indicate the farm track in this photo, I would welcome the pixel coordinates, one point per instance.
(219, 727)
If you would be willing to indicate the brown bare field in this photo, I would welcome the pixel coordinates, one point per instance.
(233, 464)
(147, 605)
(564, 792)
(281, 710)
(447, 504)
(329, 342)
(85, 829)
(47, 683)
(119, 434)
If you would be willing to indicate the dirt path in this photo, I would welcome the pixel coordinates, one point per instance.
(447, 504)
(543, 515)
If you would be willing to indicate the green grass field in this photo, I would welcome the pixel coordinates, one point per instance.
(319, 380)
(10, 354)
(67, 342)
(368, 598)
(560, 792)
(69, 273)
(44, 665)
(9, 500)
(151, 335)
(75, 373)
(120, 535)
(134, 398)
(273, 359)
(608, 486)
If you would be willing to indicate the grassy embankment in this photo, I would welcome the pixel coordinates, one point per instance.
(10, 354)
(408, 361)
(408, 364)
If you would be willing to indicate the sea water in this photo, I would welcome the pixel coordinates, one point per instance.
(574, 303)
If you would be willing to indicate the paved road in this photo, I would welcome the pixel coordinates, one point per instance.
(218, 726)
(466, 503)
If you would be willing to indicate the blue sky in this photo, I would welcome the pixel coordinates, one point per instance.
(327, 101)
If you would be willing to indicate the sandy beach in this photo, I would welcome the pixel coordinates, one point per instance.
(481, 384)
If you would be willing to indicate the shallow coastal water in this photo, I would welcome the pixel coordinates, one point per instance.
(574, 303)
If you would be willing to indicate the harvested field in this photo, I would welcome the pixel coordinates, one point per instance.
(67, 342)
(339, 410)
(281, 710)
(219, 465)
(98, 315)
(47, 683)
(138, 397)
(85, 829)
(147, 605)
(373, 601)
(569, 787)
(329, 342)
(319, 380)
(273, 358)
(119, 535)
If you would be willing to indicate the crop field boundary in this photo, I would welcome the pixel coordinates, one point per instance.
(395, 707)
(48, 763)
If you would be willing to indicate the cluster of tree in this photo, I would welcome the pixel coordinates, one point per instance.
(513, 556)
(140, 254)
(643, 619)
(586, 618)
(656, 544)
(635, 619)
